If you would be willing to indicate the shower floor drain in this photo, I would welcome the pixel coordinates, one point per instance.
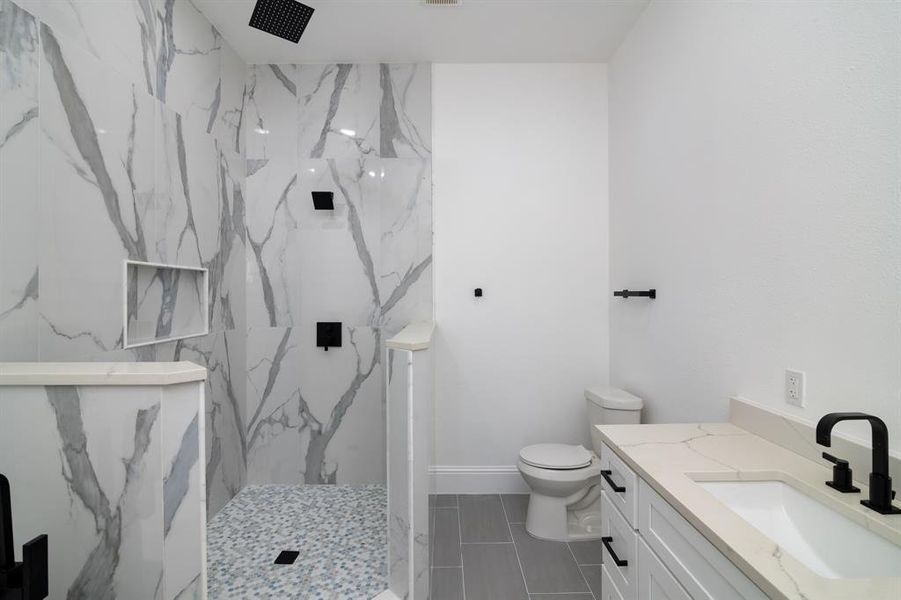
(286, 557)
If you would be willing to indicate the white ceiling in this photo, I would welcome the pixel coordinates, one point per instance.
(477, 31)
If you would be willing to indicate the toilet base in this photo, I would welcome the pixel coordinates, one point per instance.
(549, 518)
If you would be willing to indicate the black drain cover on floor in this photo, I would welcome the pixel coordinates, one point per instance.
(286, 557)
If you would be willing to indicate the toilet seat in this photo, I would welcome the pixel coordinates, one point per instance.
(556, 457)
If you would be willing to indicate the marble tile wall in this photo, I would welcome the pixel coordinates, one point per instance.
(410, 439)
(399, 373)
(111, 475)
(121, 136)
(363, 133)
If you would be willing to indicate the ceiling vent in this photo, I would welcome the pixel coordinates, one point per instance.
(442, 2)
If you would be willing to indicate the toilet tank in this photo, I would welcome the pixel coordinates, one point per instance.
(610, 406)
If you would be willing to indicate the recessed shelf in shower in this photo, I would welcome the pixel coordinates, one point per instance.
(163, 303)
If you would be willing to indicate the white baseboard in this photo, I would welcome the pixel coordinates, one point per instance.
(387, 595)
(495, 479)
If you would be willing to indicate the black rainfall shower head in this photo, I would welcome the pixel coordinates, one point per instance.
(282, 18)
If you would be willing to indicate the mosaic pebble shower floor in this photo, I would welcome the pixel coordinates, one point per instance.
(340, 532)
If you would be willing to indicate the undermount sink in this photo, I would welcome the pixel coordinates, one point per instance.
(829, 543)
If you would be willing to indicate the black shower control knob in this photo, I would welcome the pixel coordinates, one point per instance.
(478, 292)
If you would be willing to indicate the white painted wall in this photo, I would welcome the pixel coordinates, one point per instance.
(755, 176)
(521, 210)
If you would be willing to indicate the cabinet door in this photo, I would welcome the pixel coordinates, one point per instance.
(655, 582)
(621, 484)
(608, 588)
(620, 544)
(695, 563)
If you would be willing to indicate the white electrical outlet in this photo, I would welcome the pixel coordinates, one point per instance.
(794, 387)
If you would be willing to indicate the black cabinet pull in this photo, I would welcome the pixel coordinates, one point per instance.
(616, 488)
(616, 560)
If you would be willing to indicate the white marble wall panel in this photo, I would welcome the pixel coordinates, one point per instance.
(188, 69)
(399, 371)
(339, 110)
(184, 508)
(228, 127)
(97, 180)
(273, 281)
(422, 440)
(124, 34)
(304, 427)
(405, 246)
(227, 265)
(19, 138)
(271, 106)
(405, 124)
(87, 470)
(224, 355)
(276, 425)
(410, 452)
(346, 411)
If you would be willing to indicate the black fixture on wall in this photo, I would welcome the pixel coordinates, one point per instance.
(652, 293)
(478, 292)
(324, 200)
(286, 19)
(328, 335)
(26, 580)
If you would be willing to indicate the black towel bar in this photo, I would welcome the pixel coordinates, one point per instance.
(636, 294)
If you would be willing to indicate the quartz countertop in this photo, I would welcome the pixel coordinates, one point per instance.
(671, 458)
(415, 336)
(99, 373)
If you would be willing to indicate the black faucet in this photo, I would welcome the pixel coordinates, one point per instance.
(26, 580)
(881, 493)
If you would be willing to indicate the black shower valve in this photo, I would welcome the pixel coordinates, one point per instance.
(328, 335)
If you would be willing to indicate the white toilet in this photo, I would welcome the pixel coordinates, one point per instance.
(565, 480)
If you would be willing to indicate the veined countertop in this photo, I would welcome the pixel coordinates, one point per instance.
(415, 336)
(670, 458)
(99, 373)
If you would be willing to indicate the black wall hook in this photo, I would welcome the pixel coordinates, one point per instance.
(652, 293)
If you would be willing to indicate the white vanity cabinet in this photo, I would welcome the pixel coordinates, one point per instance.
(656, 553)
(655, 581)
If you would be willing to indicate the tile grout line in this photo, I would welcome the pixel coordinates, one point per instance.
(515, 549)
(460, 533)
(581, 572)
(433, 520)
(485, 543)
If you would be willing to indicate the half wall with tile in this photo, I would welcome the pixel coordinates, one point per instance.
(107, 464)
(410, 452)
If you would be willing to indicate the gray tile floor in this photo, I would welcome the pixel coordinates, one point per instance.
(481, 551)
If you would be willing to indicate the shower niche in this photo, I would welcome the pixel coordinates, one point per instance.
(163, 303)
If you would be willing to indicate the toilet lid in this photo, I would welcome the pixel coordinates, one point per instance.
(555, 456)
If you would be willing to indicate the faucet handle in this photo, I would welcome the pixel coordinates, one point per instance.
(841, 475)
(841, 462)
